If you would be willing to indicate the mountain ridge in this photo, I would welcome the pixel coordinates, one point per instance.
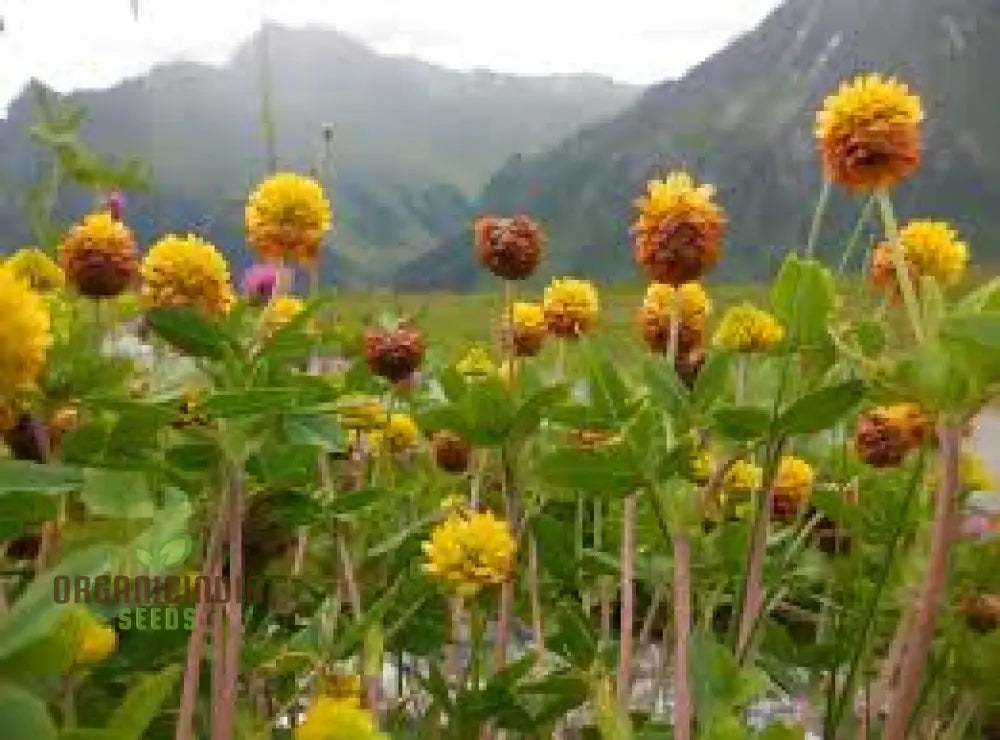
(413, 143)
(744, 117)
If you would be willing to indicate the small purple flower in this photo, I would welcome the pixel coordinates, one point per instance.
(976, 526)
(259, 282)
(115, 204)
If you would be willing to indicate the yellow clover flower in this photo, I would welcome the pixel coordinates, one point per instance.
(529, 328)
(868, 133)
(570, 307)
(186, 271)
(279, 311)
(974, 474)
(795, 478)
(746, 328)
(470, 550)
(286, 217)
(476, 363)
(37, 269)
(25, 335)
(88, 641)
(657, 310)
(402, 433)
(934, 248)
(336, 718)
(743, 478)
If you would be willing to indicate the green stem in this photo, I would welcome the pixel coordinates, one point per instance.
(866, 214)
(880, 582)
(742, 366)
(899, 262)
(817, 221)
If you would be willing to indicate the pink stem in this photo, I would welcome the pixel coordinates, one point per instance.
(218, 667)
(911, 672)
(628, 599)
(682, 629)
(196, 643)
(754, 596)
(234, 637)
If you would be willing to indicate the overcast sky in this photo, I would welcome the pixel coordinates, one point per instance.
(73, 44)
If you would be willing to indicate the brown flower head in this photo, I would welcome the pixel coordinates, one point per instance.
(830, 538)
(451, 452)
(868, 133)
(679, 230)
(982, 612)
(881, 441)
(394, 353)
(29, 439)
(99, 256)
(510, 248)
(688, 364)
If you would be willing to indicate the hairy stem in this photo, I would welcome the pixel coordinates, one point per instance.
(753, 593)
(911, 673)
(682, 633)
(196, 643)
(628, 599)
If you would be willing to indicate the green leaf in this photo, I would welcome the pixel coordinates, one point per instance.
(315, 430)
(23, 476)
(741, 423)
(453, 384)
(142, 704)
(820, 409)
(932, 305)
(189, 331)
(712, 381)
(35, 613)
(984, 298)
(354, 501)
(260, 402)
(607, 469)
(117, 494)
(488, 412)
(981, 329)
(573, 638)
(871, 337)
(666, 390)
(397, 540)
(609, 395)
(531, 412)
(24, 715)
(803, 296)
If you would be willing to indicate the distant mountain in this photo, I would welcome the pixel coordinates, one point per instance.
(412, 143)
(743, 120)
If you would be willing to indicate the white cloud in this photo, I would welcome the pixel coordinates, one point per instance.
(74, 44)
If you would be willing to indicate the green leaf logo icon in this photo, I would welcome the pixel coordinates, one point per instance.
(144, 556)
(172, 552)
